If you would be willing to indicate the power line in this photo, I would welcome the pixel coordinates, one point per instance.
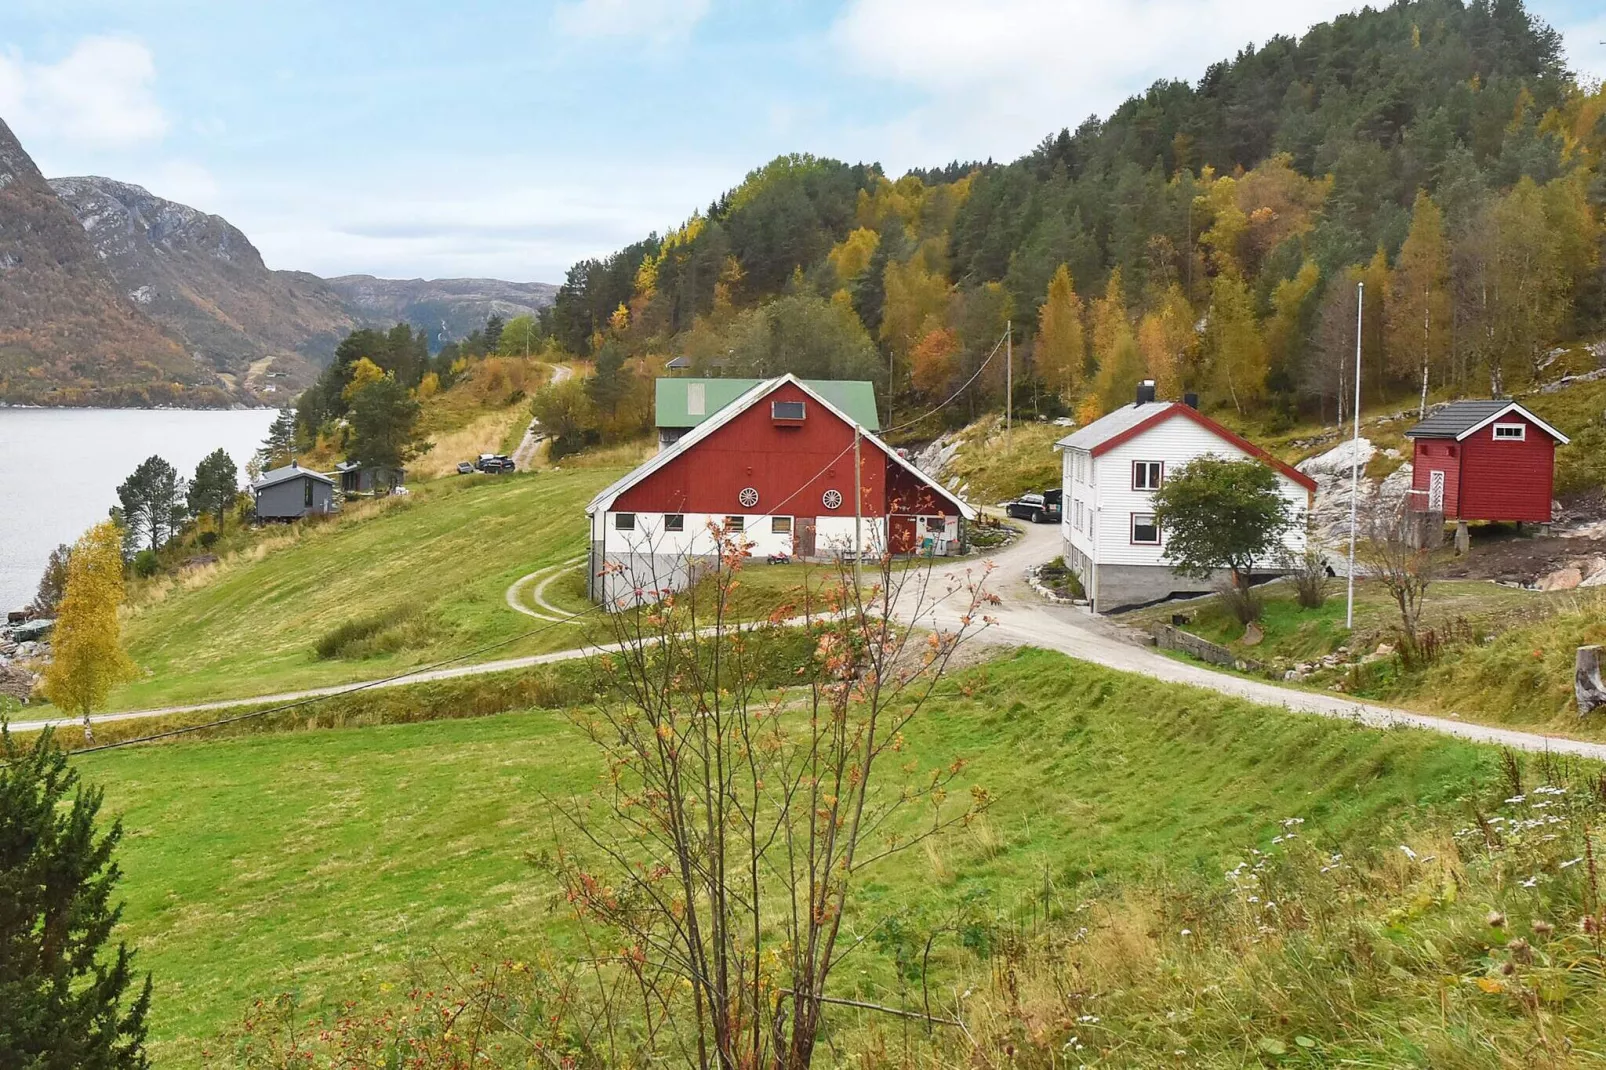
(952, 397)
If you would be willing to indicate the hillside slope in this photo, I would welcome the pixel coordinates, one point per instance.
(68, 333)
(202, 280)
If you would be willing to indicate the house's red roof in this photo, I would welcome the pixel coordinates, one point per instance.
(1164, 411)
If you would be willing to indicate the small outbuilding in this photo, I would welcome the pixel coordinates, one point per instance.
(293, 492)
(1484, 460)
(357, 478)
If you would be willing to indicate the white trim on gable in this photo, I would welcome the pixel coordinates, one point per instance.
(1507, 411)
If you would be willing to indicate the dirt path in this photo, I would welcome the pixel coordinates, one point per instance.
(524, 456)
(543, 610)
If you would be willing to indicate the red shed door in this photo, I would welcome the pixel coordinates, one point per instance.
(903, 536)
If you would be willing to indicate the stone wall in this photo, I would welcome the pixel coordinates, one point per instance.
(1169, 637)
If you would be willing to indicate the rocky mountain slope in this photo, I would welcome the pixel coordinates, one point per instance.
(69, 334)
(204, 283)
(446, 309)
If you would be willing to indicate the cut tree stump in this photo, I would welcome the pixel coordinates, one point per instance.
(1587, 685)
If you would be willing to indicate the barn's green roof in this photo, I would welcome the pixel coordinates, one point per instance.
(852, 396)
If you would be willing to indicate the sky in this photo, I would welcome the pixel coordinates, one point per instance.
(510, 138)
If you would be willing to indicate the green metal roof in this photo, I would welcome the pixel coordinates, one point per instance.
(852, 396)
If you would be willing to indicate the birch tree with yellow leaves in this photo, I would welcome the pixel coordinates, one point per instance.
(87, 646)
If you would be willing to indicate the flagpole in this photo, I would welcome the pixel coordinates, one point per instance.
(1355, 458)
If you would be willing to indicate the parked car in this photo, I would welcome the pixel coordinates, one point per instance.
(465, 468)
(494, 462)
(1038, 508)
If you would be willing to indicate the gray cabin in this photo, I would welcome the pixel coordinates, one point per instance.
(369, 479)
(292, 492)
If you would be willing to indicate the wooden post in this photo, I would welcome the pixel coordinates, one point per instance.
(1463, 537)
(1587, 685)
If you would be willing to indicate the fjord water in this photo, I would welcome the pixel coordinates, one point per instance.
(60, 468)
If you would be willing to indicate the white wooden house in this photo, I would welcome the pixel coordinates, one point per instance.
(1110, 470)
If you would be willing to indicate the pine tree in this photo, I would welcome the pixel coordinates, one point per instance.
(152, 502)
(87, 657)
(279, 447)
(215, 485)
(64, 1003)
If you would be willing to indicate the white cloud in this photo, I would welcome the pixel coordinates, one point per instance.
(999, 76)
(98, 95)
(656, 20)
(184, 181)
(1585, 43)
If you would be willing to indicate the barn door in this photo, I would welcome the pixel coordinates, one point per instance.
(803, 537)
(902, 534)
(1436, 491)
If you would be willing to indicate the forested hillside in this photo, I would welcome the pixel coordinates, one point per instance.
(1206, 234)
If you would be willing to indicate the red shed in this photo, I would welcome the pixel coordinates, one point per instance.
(777, 465)
(1485, 460)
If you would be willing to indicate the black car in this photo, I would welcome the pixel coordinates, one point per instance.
(1041, 508)
(494, 462)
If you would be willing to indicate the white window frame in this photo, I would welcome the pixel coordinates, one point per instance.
(1132, 530)
(674, 521)
(1148, 467)
(1520, 429)
(780, 525)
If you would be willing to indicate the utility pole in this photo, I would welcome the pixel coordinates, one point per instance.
(858, 515)
(1009, 386)
(1355, 458)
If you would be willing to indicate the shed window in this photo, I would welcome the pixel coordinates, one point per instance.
(936, 524)
(780, 525)
(306, 493)
(787, 411)
(674, 521)
(1146, 475)
(1145, 532)
(736, 523)
(624, 521)
(1510, 432)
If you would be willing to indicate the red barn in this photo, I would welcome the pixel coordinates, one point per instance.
(777, 465)
(1484, 460)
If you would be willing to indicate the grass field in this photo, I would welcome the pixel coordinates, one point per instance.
(319, 861)
(424, 575)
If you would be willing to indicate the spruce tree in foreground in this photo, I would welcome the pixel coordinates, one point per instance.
(64, 1005)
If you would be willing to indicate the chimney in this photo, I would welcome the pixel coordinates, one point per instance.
(1146, 392)
(293, 463)
(1191, 400)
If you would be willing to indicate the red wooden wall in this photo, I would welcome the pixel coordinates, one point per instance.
(1503, 480)
(790, 467)
(1444, 455)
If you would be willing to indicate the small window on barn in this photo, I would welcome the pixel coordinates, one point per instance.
(936, 523)
(736, 523)
(696, 399)
(674, 521)
(790, 412)
(1146, 475)
(1145, 532)
(1510, 432)
(624, 521)
(780, 525)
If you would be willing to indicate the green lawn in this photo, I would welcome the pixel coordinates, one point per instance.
(322, 860)
(430, 570)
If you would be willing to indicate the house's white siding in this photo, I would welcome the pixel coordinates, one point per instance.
(831, 534)
(1079, 504)
(1174, 443)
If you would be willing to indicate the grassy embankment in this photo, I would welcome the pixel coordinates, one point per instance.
(1508, 658)
(321, 861)
(387, 586)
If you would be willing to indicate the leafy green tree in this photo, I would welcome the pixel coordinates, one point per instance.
(152, 501)
(216, 483)
(1219, 514)
(384, 425)
(566, 413)
(520, 338)
(806, 335)
(65, 1002)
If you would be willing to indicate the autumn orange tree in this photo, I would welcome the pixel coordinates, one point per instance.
(720, 856)
(87, 657)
